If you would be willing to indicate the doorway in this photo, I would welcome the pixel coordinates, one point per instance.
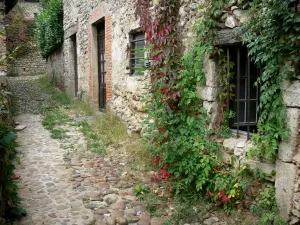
(75, 64)
(101, 65)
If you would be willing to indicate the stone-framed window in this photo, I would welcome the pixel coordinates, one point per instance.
(137, 53)
(243, 98)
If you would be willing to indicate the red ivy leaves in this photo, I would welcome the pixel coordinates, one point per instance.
(222, 197)
(163, 172)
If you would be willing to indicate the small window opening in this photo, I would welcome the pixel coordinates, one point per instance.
(244, 103)
(137, 53)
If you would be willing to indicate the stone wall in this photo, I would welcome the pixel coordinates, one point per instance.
(55, 68)
(124, 91)
(28, 60)
(288, 180)
(3, 68)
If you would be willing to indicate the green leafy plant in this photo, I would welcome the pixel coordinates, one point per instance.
(49, 27)
(272, 35)
(265, 206)
(58, 133)
(177, 130)
(10, 199)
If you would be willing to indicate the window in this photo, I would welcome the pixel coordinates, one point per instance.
(245, 100)
(137, 44)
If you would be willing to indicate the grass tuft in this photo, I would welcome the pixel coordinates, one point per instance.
(105, 130)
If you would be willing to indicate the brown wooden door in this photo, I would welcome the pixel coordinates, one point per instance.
(101, 65)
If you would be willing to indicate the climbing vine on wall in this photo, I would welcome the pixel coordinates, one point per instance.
(177, 130)
(49, 27)
(272, 34)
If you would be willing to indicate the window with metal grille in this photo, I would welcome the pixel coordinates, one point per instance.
(245, 101)
(137, 55)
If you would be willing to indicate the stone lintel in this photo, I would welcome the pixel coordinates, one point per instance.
(70, 31)
(228, 37)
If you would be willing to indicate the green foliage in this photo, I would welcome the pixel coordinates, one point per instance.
(177, 125)
(105, 130)
(58, 133)
(44, 3)
(265, 207)
(272, 35)
(49, 27)
(149, 199)
(8, 154)
(140, 189)
(53, 117)
(177, 132)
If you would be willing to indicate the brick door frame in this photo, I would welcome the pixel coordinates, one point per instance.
(99, 14)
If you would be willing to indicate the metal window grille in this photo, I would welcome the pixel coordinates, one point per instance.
(137, 57)
(245, 100)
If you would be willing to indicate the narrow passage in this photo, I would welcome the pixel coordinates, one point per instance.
(61, 181)
(45, 189)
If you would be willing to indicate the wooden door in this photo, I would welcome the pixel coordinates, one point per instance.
(101, 65)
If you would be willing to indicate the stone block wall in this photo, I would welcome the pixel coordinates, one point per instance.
(3, 68)
(28, 60)
(288, 192)
(124, 91)
(55, 68)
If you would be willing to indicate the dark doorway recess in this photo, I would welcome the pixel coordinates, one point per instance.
(101, 65)
(75, 58)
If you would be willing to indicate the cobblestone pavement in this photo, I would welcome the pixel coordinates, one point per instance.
(45, 189)
(29, 97)
(63, 183)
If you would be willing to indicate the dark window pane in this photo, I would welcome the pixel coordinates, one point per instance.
(253, 89)
(242, 112)
(242, 93)
(253, 111)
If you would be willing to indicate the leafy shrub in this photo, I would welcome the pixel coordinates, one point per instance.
(49, 27)
(44, 3)
(265, 206)
(8, 189)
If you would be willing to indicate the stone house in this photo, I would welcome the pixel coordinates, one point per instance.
(98, 64)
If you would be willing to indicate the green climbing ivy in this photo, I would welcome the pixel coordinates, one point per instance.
(49, 27)
(177, 127)
(177, 130)
(272, 34)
